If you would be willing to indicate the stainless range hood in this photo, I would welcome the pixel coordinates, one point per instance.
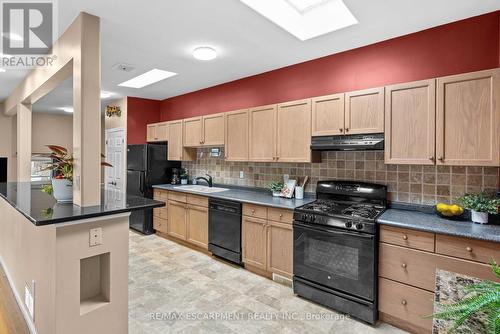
(348, 143)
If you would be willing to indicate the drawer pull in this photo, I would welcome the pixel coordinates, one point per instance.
(253, 211)
(403, 265)
(405, 237)
(469, 249)
(403, 302)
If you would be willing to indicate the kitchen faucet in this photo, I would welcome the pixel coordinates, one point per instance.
(208, 180)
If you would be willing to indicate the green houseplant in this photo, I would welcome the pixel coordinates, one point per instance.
(62, 166)
(480, 205)
(483, 297)
(184, 176)
(276, 188)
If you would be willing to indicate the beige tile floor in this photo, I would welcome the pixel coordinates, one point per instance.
(173, 289)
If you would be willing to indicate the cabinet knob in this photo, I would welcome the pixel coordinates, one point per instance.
(341, 130)
(469, 249)
(403, 302)
(281, 215)
(432, 159)
(403, 265)
(405, 237)
(346, 129)
(253, 211)
(441, 159)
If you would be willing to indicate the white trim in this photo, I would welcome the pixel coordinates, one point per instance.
(92, 220)
(19, 300)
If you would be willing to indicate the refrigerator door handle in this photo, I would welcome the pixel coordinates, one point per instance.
(141, 183)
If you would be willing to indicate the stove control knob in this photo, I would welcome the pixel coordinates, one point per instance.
(348, 224)
(313, 218)
(359, 226)
(304, 216)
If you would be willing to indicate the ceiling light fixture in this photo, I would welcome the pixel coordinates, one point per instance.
(68, 109)
(204, 53)
(105, 95)
(148, 78)
(305, 19)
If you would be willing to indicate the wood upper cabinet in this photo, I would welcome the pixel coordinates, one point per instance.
(328, 115)
(236, 147)
(157, 132)
(213, 130)
(176, 150)
(177, 220)
(193, 132)
(364, 111)
(262, 132)
(254, 242)
(280, 248)
(197, 225)
(468, 120)
(410, 111)
(294, 131)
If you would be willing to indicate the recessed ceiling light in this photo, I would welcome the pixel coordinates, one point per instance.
(105, 95)
(147, 78)
(2, 70)
(305, 19)
(68, 109)
(204, 53)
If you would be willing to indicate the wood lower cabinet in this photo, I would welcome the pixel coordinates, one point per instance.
(280, 248)
(160, 225)
(268, 244)
(407, 275)
(236, 143)
(254, 242)
(410, 111)
(328, 115)
(177, 220)
(293, 134)
(197, 225)
(262, 134)
(468, 119)
(364, 111)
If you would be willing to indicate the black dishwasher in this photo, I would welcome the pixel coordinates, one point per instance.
(224, 229)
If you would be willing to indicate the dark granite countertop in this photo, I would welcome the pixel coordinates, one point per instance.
(424, 219)
(43, 209)
(247, 195)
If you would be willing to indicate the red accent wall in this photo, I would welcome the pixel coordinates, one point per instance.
(463, 46)
(140, 112)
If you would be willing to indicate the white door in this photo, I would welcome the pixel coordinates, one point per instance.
(115, 177)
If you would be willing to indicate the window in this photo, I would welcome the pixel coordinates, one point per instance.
(37, 164)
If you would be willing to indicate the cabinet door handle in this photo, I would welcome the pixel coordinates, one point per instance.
(403, 265)
(432, 159)
(405, 237)
(441, 159)
(341, 130)
(469, 249)
(346, 129)
(404, 302)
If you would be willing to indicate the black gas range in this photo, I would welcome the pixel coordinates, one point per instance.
(335, 247)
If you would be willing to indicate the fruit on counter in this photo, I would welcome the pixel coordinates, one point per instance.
(449, 210)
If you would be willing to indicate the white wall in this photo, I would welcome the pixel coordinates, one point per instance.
(8, 143)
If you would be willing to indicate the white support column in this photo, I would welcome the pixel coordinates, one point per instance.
(23, 142)
(87, 114)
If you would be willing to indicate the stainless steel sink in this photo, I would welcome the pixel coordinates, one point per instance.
(201, 189)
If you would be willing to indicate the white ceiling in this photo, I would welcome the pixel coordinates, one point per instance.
(162, 34)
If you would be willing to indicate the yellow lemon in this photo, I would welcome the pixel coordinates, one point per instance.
(456, 210)
(447, 213)
(441, 207)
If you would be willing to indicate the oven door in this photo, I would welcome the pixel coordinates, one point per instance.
(337, 259)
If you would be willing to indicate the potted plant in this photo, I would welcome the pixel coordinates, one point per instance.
(62, 166)
(276, 188)
(184, 176)
(480, 205)
(482, 299)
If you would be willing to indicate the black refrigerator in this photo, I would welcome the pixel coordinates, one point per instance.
(147, 165)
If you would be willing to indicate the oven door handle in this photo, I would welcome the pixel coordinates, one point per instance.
(333, 231)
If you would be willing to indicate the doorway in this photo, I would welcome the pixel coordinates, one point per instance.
(115, 178)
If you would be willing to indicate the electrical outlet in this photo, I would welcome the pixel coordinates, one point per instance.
(29, 299)
(95, 237)
(242, 174)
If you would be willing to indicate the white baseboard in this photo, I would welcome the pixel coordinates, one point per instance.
(19, 300)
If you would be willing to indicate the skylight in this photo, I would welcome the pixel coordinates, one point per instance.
(148, 78)
(305, 19)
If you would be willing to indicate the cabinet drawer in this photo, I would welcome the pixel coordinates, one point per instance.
(469, 249)
(406, 303)
(418, 268)
(176, 196)
(160, 224)
(160, 195)
(257, 211)
(197, 200)
(280, 215)
(408, 238)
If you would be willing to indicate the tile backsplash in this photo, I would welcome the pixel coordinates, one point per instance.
(406, 183)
